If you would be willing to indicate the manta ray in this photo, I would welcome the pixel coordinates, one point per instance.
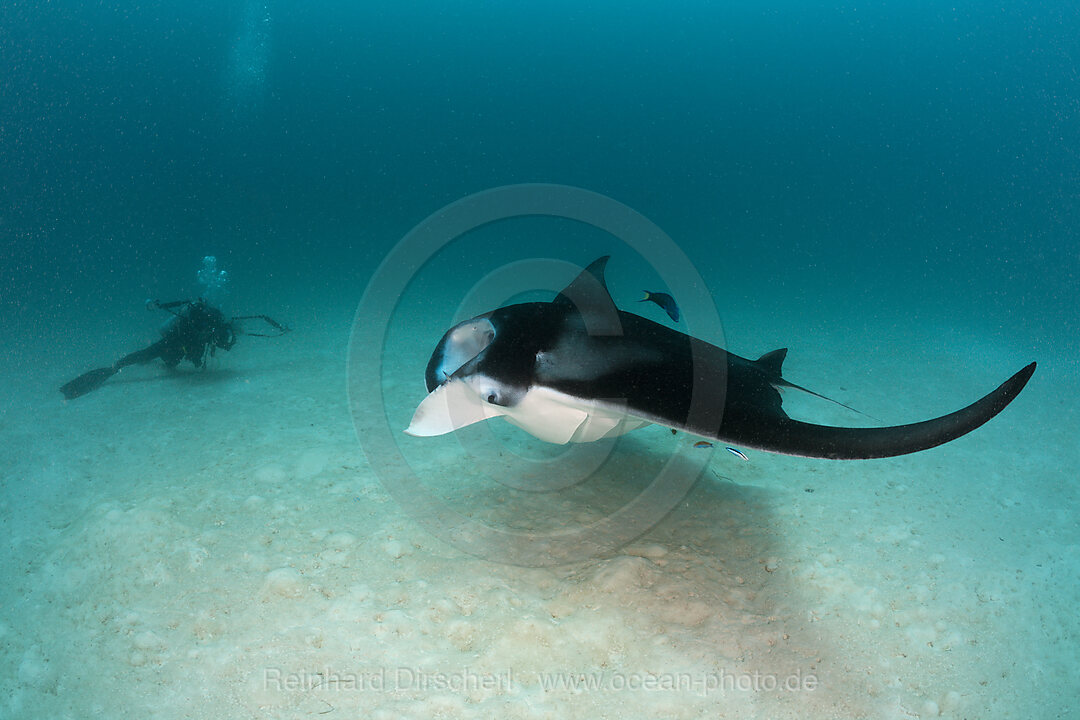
(578, 369)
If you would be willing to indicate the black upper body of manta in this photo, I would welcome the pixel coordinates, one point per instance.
(585, 350)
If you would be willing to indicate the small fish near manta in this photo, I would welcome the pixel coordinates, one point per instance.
(665, 301)
(578, 369)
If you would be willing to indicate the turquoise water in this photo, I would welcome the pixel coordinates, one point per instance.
(889, 191)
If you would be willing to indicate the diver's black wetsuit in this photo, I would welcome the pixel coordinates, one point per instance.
(196, 331)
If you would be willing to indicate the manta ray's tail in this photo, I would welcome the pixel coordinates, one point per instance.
(779, 433)
(772, 363)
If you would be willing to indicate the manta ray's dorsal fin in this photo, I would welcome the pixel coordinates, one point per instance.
(773, 362)
(589, 296)
(589, 287)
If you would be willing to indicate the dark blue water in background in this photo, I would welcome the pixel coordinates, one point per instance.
(909, 153)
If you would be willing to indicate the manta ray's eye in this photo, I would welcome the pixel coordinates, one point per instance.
(492, 395)
(490, 391)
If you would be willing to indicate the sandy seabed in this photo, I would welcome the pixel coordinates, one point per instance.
(215, 544)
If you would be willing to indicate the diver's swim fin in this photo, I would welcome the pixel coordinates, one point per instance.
(87, 381)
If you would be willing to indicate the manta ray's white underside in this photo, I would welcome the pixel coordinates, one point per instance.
(547, 414)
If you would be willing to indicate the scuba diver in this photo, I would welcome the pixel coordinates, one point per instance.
(195, 332)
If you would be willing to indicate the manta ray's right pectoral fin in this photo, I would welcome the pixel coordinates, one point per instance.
(450, 407)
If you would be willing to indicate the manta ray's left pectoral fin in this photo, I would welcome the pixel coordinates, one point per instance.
(450, 407)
